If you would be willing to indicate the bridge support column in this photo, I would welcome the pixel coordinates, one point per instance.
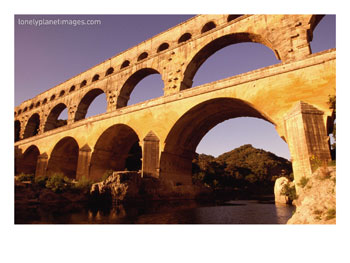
(84, 159)
(307, 138)
(111, 100)
(71, 114)
(41, 165)
(176, 168)
(150, 156)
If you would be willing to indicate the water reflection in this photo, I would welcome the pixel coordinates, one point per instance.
(171, 212)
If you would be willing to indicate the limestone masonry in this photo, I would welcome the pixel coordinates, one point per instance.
(165, 131)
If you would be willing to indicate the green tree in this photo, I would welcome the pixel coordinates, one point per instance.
(241, 167)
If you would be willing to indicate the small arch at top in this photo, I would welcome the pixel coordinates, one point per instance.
(96, 78)
(83, 83)
(208, 26)
(62, 93)
(185, 37)
(163, 47)
(109, 71)
(72, 88)
(142, 56)
(232, 17)
(125, 64)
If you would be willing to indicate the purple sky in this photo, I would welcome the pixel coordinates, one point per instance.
(48, 55)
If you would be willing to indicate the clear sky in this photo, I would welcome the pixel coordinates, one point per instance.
(48, 55)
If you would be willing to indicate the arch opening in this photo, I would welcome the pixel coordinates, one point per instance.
(116, 149)
(151, 89)
(91, 104)
(143, 56)
(32, 127)
(184, 137)
(109, 71)
(96, 78)
(243, 153)
(125, 64)
(208, 26)
(72, 89)
(220, 43)
(83, 83)
(64, 158)
(54, 120)
(28, 161)
(232, 17)
(185, 37)
(322, 33)
(162, 47)
(234, 60)
(17, 130)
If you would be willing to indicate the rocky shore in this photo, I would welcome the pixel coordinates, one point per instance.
(316, 202)
(117, 188)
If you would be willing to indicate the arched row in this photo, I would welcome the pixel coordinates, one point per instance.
(143, 55)
(52, 122)
(162, 47)
(117, 149)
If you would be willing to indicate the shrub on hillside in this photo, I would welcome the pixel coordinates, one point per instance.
(289, 191)
(25, 177)
(303, 181)
(41, 180)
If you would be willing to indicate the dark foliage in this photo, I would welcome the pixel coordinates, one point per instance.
(242, 168)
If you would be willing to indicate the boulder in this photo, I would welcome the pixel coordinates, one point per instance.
(280, 183)
(118, 186)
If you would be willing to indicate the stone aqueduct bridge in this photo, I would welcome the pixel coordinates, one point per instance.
(291, 95)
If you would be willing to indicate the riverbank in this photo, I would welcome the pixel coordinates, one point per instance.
(316, 202)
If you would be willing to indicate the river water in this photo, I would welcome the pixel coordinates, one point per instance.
(170, 212)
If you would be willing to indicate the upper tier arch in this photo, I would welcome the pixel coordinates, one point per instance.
(213, 46)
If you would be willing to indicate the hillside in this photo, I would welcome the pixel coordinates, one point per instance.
(242, 168)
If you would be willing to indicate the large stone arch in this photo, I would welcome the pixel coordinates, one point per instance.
(130, 83)
(64, 158)
(32, 127)
(215, 45)
(183, 138)
(85, 103)
(28, 161)
(116, 149)
(52, 119)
